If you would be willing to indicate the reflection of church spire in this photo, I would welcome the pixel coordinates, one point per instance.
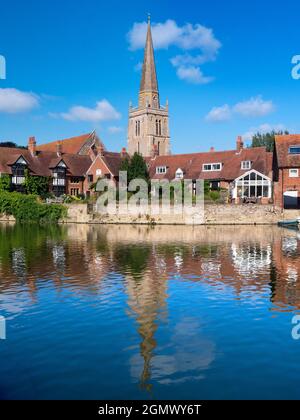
(147, 297)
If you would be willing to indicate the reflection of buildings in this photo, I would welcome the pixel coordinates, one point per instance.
(248, 262)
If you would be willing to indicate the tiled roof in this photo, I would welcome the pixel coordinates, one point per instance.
(113, 161)
(282, 144)
(192, 164)
(73, 145)
(42, 163)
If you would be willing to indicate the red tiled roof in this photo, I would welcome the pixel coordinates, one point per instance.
(72, 145)
(113, 161)
(282, 144)
(42, 163)
(192, 164)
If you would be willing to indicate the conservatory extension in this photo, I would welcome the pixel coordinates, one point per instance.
(252, 187)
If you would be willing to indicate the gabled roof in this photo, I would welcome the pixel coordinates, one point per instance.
(282, 144)
(43, 162)
(73, 145)
(192, 164)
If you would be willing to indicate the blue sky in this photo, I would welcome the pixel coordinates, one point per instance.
(225, 67)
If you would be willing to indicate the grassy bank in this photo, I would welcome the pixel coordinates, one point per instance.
(29, 209)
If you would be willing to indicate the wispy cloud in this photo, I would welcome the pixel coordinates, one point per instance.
(253, 107)
(115, 130)
(103, 111)
(197, 41)
(263, 128)
(13, 101)
(221, 113)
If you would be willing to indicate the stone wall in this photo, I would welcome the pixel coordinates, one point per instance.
(213, 215)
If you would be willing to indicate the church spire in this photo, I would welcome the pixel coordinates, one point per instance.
(149, 86)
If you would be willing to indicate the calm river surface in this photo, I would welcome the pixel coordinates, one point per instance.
(124, 312)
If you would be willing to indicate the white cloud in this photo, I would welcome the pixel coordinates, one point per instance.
(13, 101)
(263, 128)
(138, 67)
(186, 38)
(103, 111)
(115, 130)
(254, 107)
(221, 113)
(193, 74)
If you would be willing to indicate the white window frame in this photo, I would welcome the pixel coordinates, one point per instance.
(246, 165)
(293, 173)
(212, 166)
(161, 170)
(99, 172)
(179, 173)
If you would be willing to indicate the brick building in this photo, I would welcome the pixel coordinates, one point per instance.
(286, 171)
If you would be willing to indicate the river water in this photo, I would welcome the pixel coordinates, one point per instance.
(122, 312)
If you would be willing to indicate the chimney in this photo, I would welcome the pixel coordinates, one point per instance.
(101, 150)
(212, 149)
(239, 144)
(154, 152)
(32, 146)
(124, 153)
(59, 148)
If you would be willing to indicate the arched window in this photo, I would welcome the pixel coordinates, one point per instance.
(138, 147)
(159, 127)
(137, 128)
(158, 148)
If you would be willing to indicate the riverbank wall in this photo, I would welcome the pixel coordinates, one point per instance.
(214, 214)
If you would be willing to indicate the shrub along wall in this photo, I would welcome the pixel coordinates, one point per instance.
(28, 209)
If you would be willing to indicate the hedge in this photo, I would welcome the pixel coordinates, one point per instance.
(27, 208)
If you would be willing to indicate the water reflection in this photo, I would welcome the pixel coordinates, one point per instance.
(260, 263)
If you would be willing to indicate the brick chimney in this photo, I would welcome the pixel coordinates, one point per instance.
(239, 144)
(32, 146)
(124, 153)
(59, 148)
(101, 150)
(212, 149)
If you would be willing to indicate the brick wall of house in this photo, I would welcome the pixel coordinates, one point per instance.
(94, 172)
(285, 183)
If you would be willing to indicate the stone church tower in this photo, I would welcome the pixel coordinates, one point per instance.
(148, 130)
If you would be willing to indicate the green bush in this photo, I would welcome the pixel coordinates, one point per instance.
(4, 183)
(27, 208)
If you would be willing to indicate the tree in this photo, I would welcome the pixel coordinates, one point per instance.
(266, 139)
(135, 167)
(11, 145)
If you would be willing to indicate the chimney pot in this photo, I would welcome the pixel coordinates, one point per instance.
(212, 149)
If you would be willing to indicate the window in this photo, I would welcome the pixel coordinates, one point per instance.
(246, 165)
(158, 127)
(138, 128)
(75, 180)
(293, 173)
(99, 172)
(18, 171)
(210, 167)
(179, 173)
(161, 170)
(294, 150)
(252, 185)
(90, 178)
(75, 192)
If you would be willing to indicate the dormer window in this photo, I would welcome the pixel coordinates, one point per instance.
(179, 173)
(294, 150)
(246, 165)
(161, 170)
(212, 167)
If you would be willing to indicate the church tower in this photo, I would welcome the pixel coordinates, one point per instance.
(148, 130)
